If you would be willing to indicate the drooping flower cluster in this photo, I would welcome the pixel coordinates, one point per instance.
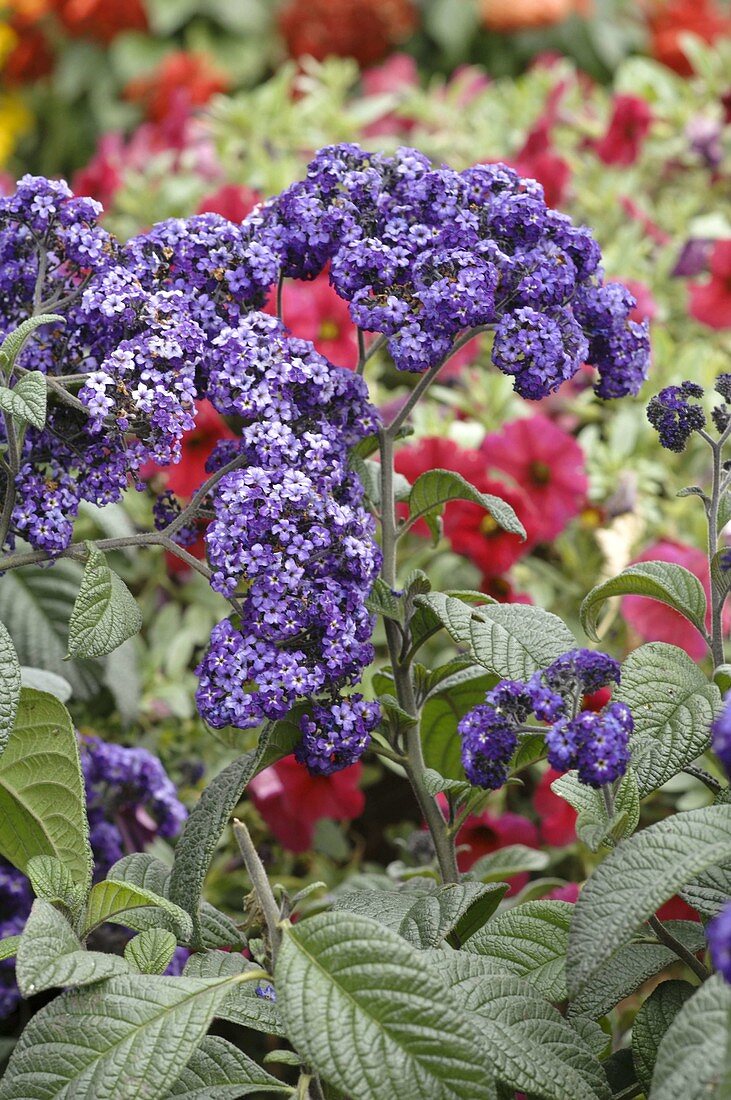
(674, 416)
(334, 737)
(721, 736)
(290, 539)
(423, 254)
(596, 744)
(130, 800)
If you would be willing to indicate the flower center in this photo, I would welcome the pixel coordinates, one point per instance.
(329, 330)
(488, 526)
(540, 473)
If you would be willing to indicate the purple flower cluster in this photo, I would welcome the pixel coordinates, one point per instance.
(423, 254)
(290, 538)
(16, 898)
(597, 745)
(335, 736)
(674, 417)
(130, 800)
(719, 941)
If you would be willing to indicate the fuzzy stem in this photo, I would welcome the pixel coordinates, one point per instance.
(678, 948)
(260, 882)
(717, 595)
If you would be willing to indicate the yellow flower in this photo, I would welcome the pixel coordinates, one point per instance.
(15, 119)
(8, 41)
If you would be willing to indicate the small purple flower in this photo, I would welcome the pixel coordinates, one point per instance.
(336, 735)
(719, 941)
(674, 417)
(489, 740)
(721, 732)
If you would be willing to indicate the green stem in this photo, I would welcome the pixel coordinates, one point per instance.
(669, 940)
(717, 595)
(10, 489)
(262, 889)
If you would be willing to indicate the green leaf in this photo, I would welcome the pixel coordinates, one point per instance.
(41, 680)
(126, 1039)
(432, 490)
(593, 825)
(242, 1006)
(105, 613)
(142, 869)
(50, 956)
(36, 605)
(530, 941)
(9, 947)
(113, 901)
(14, 342)
(53, 882)
(531, 1047)
(27, 400)
(384, 601)
(42, 802)
(9, 686)
(151, 952)
(202, 832)
(439, 719)
(659, 580)
(651, 1023)
(672, 704)
(513, 859)
(691, 1056)
(636, 878)
(348, 988)
(218, 1070)
(630, 967)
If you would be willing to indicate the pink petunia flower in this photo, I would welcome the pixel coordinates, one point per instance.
(292, 801)
(654, 621)
(548, 465)
(232, 200)
(483, 834)
(710, 302)
(313, 311)
(557, 820)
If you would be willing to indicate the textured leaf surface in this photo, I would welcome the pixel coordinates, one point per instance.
(14, 342)
(202, 832)
(125, 1040)
(593, 825)
(439, 719)
(673, 705)
(651, 1023)
(50, 956)
(362, 1009)
(511, 860)
(531, 1047)
(636, 878)
(36, 605)
(105, 613)
(113, 901)
(432, 490)
(9, 685)
(42, 808)
(53, 882)
(27, 400)
(659, 580)
(691, 1056)
(629, 968)
(242, 1006)
(9, 947)
(151, 952)
(220, 1071)
(530, 941)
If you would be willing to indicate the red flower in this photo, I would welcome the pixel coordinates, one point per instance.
(547, 463)
(502, 590)
(396, 74)
(570, 892)
(646, 308)
(710, 302)
(557, 820)
(30, 58)
(654, 621)
(484, 834)
(232, 200)
(363, 29)
(182, 80)
(628, 128)
(292, 801)
(471, 530)
(313, 311)
(101, 178)
(190, 473)
(101, 19)
(671, 19)
(677, 909)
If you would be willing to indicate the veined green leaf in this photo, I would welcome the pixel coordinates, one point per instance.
(50, 956)
(113, 901)
(42, 803)
(105, 613)
(218, 1070)
(651, 1023)
(593, 825)
(27, 400)
(529, 941)
(14, 342)
(53, 882)
(435, 488)
(659, 580)
(691, 1056)
(150, 952)
(9, 686)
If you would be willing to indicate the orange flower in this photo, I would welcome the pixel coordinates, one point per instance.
(507, 16)
(363, 29)
(182, 79)
(669, 20)
(101, 19)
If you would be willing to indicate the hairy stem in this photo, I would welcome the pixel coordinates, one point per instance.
(678, 948)
(10, 488)
(717, 595)
(260, 883)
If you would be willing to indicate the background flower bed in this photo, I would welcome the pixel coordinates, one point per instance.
(637, 149)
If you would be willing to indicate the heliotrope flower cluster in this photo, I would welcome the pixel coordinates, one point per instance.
(423, 254)
(291, 540)
(130, 800)
(719, 941)
(674, 416)
(595, 744)
(721, 734)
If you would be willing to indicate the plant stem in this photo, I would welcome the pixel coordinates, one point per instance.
(13, 466)
(260, 882)
(678, 948)
(361, 351)
(414, 764)
(717, 595)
